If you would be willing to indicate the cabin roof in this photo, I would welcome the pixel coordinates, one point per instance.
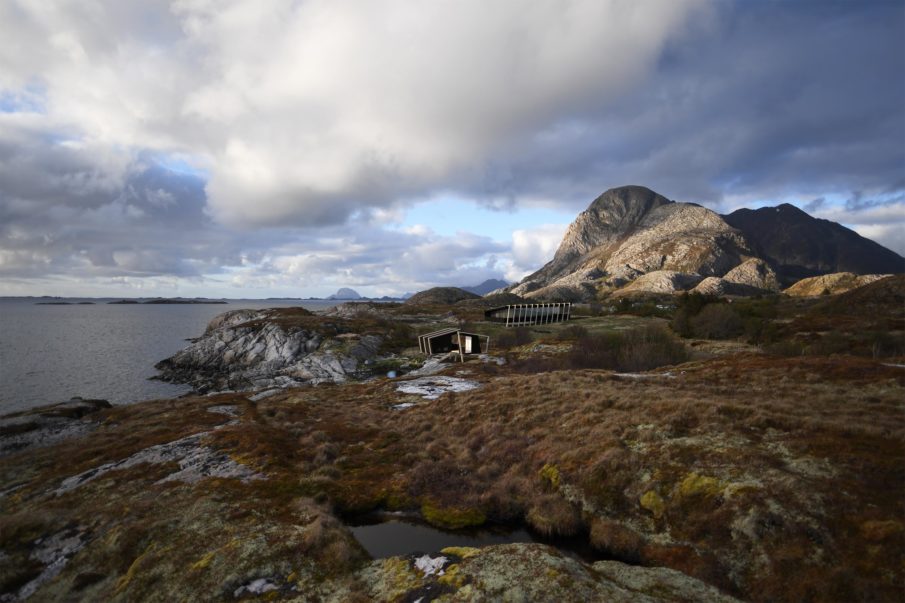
(446, 331)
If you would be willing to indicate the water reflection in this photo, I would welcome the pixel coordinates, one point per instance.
(389, 536)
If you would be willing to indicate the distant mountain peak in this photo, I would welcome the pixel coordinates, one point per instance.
(345, 293)
(491, 284)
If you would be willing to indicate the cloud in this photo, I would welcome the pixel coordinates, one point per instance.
(279, 144)
(306, 111)
(532, 248)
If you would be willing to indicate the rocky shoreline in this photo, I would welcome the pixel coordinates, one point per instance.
(253, 350)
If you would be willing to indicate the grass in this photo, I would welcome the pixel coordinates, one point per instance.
(777, 478)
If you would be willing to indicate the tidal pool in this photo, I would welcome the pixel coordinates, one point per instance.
(388, 535)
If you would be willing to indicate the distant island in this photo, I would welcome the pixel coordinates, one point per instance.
(169, 301)
(346, 294)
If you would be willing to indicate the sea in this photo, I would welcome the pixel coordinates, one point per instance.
(93, 349)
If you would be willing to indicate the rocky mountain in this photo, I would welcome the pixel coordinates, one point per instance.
(632, 232)
(799, 245)
(491, 284)
(345, 293)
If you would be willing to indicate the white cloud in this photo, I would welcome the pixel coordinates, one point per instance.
(532, 248)
(306, 111)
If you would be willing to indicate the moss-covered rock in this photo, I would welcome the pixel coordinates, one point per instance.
(452, 517)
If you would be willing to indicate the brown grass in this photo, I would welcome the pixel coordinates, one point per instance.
(777, 478)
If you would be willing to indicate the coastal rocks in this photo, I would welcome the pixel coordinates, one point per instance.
(52, 554)
(47, 425)
(251, 350)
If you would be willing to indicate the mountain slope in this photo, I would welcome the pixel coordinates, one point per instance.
(630, 231)
(491, 284)
(801, 246)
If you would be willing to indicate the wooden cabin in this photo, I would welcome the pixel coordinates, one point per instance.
(453, 340)
(515, 315)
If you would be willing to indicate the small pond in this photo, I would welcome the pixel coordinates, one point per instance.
(386, 535)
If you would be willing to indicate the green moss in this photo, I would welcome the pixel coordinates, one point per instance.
(463, 552)
(550, 474)
(133, 569)
(452, 576)
(700, 485)
(204, 561)
(452, 517)
(653, 502)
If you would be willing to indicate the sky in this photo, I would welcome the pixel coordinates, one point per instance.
(248, 149)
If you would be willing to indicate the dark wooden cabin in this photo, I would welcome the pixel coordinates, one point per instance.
(453, 340)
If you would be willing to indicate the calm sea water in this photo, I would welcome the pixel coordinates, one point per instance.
(51, 353)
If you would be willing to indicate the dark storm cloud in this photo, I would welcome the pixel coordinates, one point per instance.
(771, 99)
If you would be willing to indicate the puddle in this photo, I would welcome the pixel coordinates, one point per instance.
(388, 535)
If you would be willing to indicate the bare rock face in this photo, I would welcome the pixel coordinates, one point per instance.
(754, 273)
(719, 287)
(831, 284)
(242, 350)
(631, 231)
(660, 281)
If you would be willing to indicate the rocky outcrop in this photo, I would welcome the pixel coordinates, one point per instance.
(719, 287)
(244, 350)
(526, 572)
(359, 309)
(440, 295)
(831, 284)
(660, 281)
(47, 425)
(754, 273)
(628, 232)
(802, 246)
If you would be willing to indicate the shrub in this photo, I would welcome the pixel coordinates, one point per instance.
(515, 337)
(717, 321)
(649, 348)
(552, 515)
(637, 350)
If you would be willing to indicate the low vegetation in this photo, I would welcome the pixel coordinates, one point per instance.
(774, 477)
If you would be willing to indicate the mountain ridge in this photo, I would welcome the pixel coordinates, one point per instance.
(631, 231)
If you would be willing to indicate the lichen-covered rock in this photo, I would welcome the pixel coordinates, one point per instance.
(527, 572)
(46, 425)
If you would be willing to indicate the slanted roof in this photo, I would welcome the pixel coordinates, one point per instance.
(447, 331)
